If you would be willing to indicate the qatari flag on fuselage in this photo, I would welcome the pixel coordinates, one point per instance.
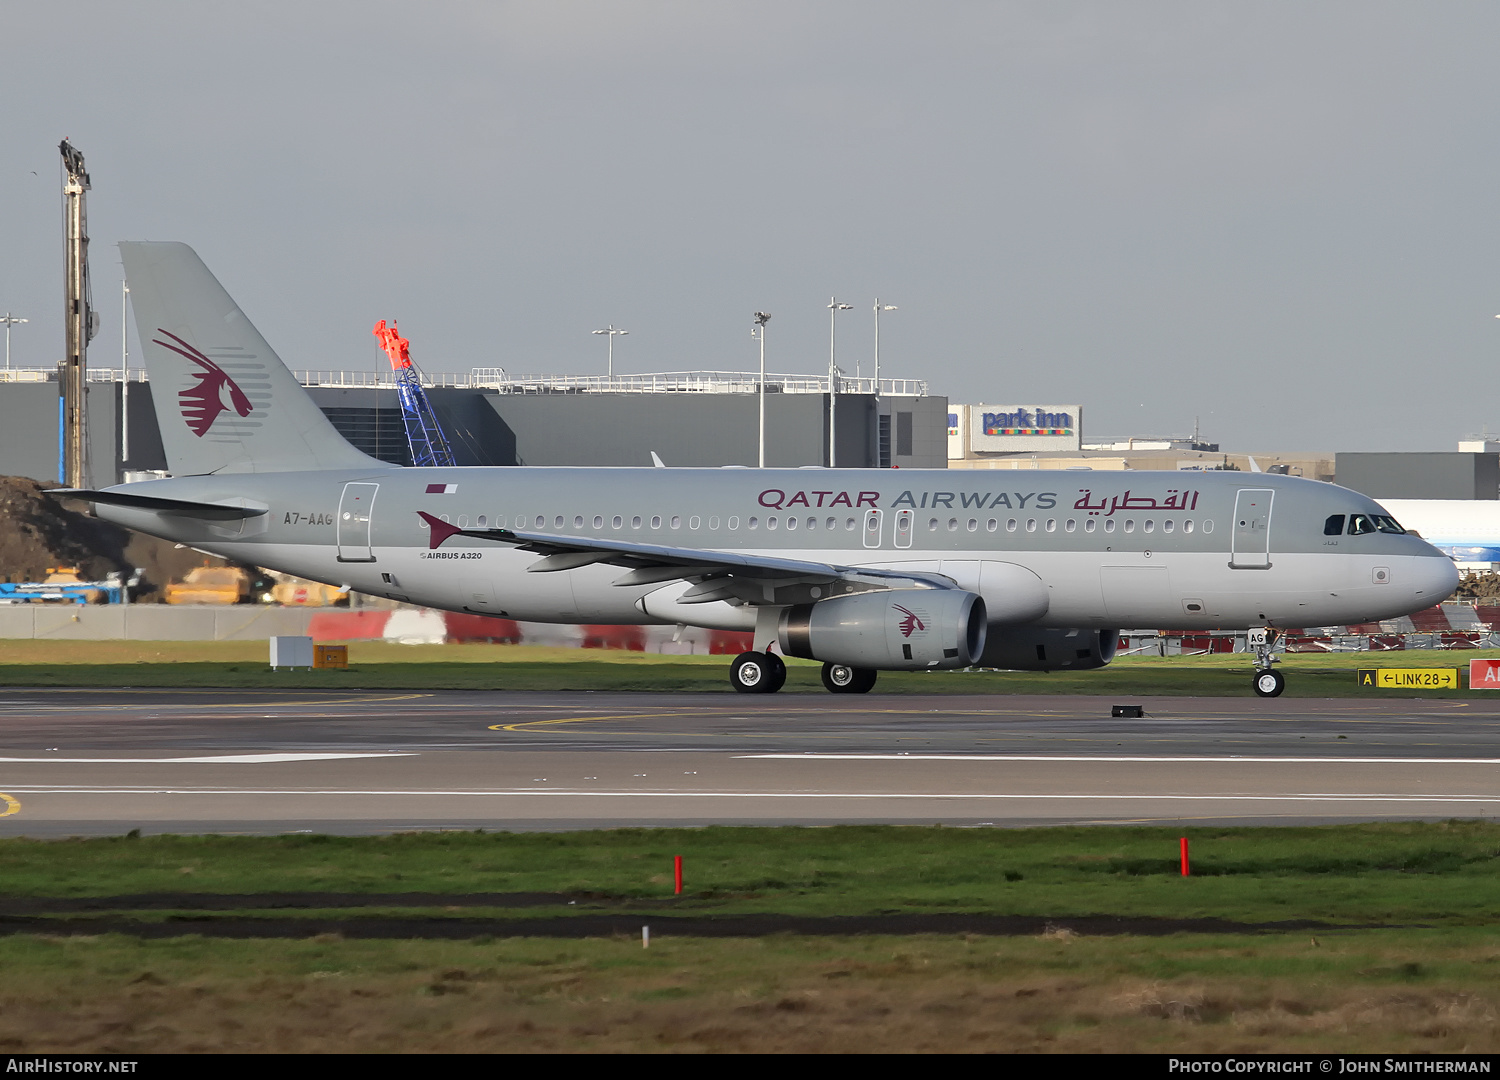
(442, 489)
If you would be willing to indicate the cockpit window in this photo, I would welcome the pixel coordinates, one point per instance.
(1360, 524)
(1388, 525)
(1334, 526)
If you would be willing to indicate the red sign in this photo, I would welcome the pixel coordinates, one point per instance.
(1484, 674)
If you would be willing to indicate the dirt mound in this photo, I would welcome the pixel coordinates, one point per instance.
(38, 533)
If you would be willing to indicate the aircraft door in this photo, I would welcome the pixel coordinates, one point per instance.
(903, 528)
(355, 509)
(1251, 548)
(872, 528)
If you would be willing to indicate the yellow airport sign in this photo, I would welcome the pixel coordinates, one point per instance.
(1399, 678)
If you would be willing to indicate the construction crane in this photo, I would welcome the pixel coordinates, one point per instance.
(81, 323)
(428, 444)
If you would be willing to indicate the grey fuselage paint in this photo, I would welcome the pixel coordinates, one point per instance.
(1169, 550)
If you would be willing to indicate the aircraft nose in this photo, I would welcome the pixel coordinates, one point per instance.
(1434, 577)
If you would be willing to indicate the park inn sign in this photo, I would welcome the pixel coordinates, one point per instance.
(1002, 429)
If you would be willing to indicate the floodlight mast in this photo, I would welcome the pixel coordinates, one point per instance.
(81, 321)
(834, 307)
(9, 320)
(612, 332)
(758, 331)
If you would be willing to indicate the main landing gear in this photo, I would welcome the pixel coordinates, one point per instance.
(757, 673)
(843, 679)
(1267, 683)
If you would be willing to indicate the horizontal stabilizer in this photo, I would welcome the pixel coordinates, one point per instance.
(178, 507)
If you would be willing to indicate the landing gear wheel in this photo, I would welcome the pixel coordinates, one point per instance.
(843, 679)
(1269, 683)
(757, 673)
(775, 672)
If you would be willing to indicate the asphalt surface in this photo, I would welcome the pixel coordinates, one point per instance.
(100, 762)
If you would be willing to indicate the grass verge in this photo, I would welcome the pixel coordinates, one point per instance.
(1386, 992)
(1413, 967)
(386, 666)
(1388, 873)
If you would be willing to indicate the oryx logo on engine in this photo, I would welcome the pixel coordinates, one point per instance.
(202, 403)
(910, 625)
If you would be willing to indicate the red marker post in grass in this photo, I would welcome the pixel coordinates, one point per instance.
(1182, 843)
(677, 874)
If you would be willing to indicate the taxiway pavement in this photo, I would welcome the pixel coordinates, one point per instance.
(99, 762)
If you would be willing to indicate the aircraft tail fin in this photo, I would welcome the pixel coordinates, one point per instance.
(224, 400)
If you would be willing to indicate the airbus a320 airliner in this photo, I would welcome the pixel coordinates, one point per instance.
(864, 570)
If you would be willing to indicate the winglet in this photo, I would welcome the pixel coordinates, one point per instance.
(440, 529)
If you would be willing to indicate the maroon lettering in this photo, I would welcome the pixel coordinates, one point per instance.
(868, 497)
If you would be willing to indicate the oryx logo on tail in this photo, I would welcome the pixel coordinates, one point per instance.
(202, 403)
(911, 624)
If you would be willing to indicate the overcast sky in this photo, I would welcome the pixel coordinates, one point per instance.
(1278, 217)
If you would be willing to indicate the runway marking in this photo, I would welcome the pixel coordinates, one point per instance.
(947, 796)
(522, 725)
(210, 705)
(221, 759)
(1238, 759)
(12, 806)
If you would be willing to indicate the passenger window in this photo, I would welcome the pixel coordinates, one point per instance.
(1334, 526)
(1359, 525)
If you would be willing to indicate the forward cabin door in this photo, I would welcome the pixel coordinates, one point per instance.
(1251, 548)
(355, 510)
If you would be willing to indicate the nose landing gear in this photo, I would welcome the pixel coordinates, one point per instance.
(1267, 683)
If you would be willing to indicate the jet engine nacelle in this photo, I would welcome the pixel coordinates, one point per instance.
(1041, 649)
(899, 629)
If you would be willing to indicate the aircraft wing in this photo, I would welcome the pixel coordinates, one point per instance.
(722, 575)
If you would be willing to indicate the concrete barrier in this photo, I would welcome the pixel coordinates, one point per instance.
(150, 622)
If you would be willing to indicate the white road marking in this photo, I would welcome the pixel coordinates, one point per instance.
(945, 795)
(221, 759)
(1235, 759)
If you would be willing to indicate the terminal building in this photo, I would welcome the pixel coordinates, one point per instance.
(691, 419)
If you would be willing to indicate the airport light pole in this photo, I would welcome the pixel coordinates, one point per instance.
(9, 320)
(611, 331)
(758, 331)
(834, 307)
(879, 307)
